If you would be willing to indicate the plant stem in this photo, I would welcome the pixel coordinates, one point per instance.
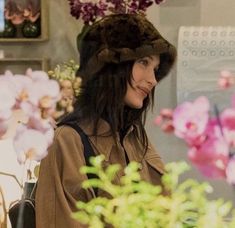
(13, 176)
(218, 119)
(4, 224)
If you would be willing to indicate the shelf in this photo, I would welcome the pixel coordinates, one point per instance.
(43, 24)
(20, 65)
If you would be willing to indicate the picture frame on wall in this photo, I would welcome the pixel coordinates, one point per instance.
(25, 21)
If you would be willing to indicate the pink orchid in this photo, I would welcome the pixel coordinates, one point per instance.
(226, 79)
(213, 129)
(211, 140)
(158, 120)
(165, 120)
(37, 75)
(44, 94)
(167, 113)
(227, 119)
(19, 86)
(168, 126)
(3, 127)
(35, 95)
(230, 171)
(30, 144)
(190, 120)
(211, 157)
(7, 99)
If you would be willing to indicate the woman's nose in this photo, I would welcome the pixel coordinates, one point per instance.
(151, 79)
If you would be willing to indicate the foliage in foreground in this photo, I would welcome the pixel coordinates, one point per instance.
(136, 203)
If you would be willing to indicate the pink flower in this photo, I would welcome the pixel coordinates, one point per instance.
(167, 113)
(226, 79)
(211, 157)
(44, 94)
(37, 75)
(227, 119)
(3, 127)
(30, 144)
(230, 171)
(158, 120)
(19, 84)
(190, 120)
(36, 96)
(7, 99)
(213, 129)
(165, 120)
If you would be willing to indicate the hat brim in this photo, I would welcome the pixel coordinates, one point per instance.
(160, 47)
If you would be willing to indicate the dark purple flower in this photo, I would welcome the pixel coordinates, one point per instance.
(75, 8)
(90, 11)
(158, 1)
(144, 4)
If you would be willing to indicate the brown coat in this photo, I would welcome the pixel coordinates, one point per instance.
(59, 184)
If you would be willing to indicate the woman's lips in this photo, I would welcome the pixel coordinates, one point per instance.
(144, 91)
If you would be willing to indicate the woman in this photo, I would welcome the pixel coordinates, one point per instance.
(122, 58)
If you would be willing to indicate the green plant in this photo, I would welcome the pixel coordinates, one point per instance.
(136, 203)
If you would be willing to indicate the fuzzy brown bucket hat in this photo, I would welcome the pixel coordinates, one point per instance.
(122, 37)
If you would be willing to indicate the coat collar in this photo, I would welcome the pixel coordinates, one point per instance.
(104, 141)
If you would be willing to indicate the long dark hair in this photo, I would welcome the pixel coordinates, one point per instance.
(102, 96)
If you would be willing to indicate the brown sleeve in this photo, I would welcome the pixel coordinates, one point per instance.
(59, 183)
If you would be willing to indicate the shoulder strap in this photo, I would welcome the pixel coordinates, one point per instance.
(88, 150)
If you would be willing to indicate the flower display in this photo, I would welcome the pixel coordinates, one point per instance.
(65, 74)
(90, 11)
(209, 135)
(30, 105)
(19, 11)
(35, 95)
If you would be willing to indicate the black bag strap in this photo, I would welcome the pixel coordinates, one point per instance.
(88, 150)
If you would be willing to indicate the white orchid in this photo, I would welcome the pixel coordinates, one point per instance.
(36, 96)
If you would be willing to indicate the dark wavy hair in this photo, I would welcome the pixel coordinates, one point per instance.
(102, 96)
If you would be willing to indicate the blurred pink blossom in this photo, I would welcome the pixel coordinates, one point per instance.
(158, 120)
(3, 127)
(37, 75)
(36, 95)
(230, 171)
(226, 79)
(7, 99)
(190, 120)
(165, 120)
(210, 138)
(168, 126)
(211, 157)
(30, 144)
(167, 113)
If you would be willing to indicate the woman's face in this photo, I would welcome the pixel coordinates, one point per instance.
(143, 81)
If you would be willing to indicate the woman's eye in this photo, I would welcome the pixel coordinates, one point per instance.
(144, 62)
